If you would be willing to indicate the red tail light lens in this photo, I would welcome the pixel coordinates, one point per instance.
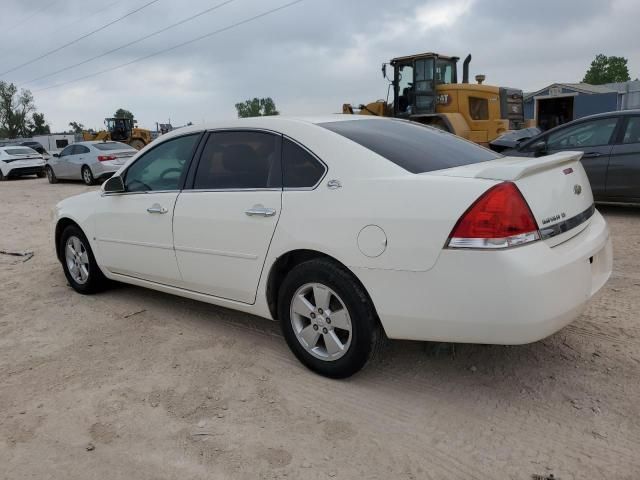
(104, 158)
(500, 218)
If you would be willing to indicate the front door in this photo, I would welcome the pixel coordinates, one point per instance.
(61, 166)
(224, 224)
(134, 229)
(623, 180)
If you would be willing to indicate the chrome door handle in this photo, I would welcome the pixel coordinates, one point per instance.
(156, 208)
(591, 155)
(260, 211)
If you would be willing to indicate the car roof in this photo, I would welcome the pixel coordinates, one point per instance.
(4, 147)
(271, 122)
(93, 142)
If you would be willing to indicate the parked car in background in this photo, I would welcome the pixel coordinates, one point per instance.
(88, 161)
(17, 161)
(37, 146)
(513, 138)
(344, 227)
(611, 146)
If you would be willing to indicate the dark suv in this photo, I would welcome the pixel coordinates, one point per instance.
(611, 146)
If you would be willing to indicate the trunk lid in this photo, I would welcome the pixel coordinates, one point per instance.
(556, 188)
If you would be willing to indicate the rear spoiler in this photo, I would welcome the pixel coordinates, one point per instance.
(515, 168)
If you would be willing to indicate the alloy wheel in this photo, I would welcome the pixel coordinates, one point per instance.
(321, 321)
(77, 260)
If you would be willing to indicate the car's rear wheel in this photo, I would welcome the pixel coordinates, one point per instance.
(51, 176)
(328, 319)
(87, 176)
(79, 264)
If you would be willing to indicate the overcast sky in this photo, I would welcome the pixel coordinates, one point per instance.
(310, 58)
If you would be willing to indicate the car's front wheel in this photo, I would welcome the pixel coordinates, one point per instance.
(41, 174)
(327, 319)
(51, 176)
(79, 264)
(87, 176)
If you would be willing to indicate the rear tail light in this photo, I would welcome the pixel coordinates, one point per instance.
(500, 218)
(104, 158)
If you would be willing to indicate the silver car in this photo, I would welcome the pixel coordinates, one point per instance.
(88, 161)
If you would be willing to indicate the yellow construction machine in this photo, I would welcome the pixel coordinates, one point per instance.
(121, 130)
(426, 90)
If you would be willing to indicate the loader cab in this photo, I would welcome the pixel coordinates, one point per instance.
(119, 128)
(415, 80)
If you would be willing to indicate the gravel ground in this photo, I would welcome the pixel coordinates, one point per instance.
(133, 383)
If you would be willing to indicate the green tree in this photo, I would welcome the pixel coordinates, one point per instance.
(76, 127)
(38, 125)
(605, 69)
(122, 113)
(15, 108)
(257, 107)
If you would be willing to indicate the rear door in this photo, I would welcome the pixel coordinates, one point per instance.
(223, 225)
(594, 138)
(623, 180)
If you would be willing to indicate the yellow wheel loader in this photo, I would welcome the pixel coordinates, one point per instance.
(121, 130)
(426, 90)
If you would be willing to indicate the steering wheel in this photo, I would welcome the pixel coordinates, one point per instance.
(170, 170)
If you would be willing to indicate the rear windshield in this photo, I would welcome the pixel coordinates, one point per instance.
(410, 145)
(112, 146)
(21, 151)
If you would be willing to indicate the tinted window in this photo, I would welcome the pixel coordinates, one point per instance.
(410, 145)
(587, 134)
(66, 151)
(479, 108)
(112, 146)
(300, 169)
(161, 168)
(21, 151)
(239, 160)
(80, 149)
(632, 132)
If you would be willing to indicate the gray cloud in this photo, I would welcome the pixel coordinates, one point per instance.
(310, 58)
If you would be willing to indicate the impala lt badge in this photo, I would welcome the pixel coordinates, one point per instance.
(577, 189)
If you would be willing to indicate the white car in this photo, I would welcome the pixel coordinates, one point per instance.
(344, 229)
(18, 161)
(88, 161)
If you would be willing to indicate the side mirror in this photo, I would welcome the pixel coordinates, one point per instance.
(113, 185)
(57, 155)
(539, 147)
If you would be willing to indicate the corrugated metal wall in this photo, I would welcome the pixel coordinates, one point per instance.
(629, 94)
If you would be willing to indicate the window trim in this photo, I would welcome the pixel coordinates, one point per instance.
(191, 175)
(302, 189)
(122, 175)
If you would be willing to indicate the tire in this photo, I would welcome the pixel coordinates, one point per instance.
(2, 176)
(344, 292)
(86, 277)
(87, 176)
(51, 176)
(41, 174)
(137, 144)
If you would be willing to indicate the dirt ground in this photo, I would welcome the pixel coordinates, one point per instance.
(135, 384)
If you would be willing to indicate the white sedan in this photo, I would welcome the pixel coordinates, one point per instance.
(18, 161)
(345, 229)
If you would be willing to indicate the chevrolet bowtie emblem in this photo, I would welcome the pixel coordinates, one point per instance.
(577, 189)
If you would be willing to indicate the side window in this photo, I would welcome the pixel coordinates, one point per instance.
(239, 160)
(587, 134)
(66, 151)
(632, 132)
(161, 168)
(81, 149)
(300, 168)
(479, 108)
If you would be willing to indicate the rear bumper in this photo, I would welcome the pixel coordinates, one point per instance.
(513, 296)
(31, 170)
